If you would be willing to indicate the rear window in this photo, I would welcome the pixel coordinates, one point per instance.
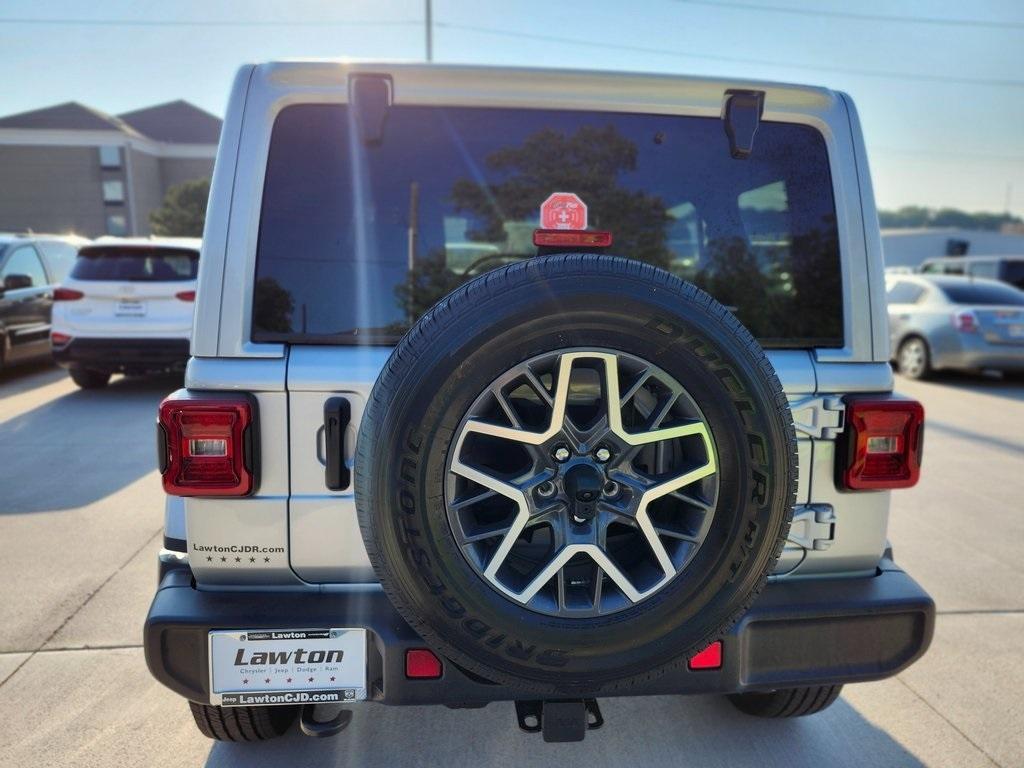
(151, 265)
(358, 241)
(981, 294)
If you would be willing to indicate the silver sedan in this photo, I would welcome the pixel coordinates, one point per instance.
(954, 323)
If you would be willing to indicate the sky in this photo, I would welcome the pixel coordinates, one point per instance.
(939, 84)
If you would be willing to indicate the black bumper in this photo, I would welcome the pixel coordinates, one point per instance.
(806, 632)
(131, 355)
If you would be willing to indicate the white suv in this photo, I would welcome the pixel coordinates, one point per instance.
(126, 307)
(533, 386)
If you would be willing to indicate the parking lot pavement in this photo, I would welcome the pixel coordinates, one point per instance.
(80, 516)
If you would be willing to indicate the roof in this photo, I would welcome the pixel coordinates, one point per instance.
(69, 116)
(175, 122)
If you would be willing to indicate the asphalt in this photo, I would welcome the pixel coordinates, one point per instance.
(80, 520)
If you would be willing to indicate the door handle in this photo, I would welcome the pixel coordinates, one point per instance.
(337, 415)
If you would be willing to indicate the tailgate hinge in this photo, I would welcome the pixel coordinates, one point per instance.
(819, 416)
(813, 527)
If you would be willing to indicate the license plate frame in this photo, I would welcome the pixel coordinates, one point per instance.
(261, 667)
(130, 308)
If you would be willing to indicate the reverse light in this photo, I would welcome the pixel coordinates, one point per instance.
(205, 445)
(709, 658)
(566, 238)
(965, 321)
(67, 294)
(422, 664)
(58, 339)
(883, 444)
(185, 295)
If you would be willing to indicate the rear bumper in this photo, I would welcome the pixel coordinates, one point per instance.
(129, 355)
(799, 632)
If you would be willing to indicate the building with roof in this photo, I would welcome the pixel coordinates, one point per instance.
(910, 247)
(72, 168)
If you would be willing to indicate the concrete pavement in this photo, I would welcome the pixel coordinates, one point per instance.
(80, 518)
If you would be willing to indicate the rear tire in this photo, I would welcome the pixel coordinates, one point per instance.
(243, 723)
(86, 378)
(787, 702)
(913, 359)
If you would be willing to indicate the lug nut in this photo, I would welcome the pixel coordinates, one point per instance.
(602, 454)
(611, 488)
(561, 453)
(546, 489)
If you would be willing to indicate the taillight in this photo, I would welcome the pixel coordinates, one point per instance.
(884, 441)
(965, 321)
(205, 445)
(67, 294)
(59, 339)
(566, 238)
(185, 295)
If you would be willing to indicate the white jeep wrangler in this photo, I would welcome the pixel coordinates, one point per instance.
(535, 386)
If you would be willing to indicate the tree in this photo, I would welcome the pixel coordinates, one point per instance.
(913, 216)
(183, 211)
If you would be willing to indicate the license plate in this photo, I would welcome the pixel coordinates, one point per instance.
(130, 309)
(287, 666)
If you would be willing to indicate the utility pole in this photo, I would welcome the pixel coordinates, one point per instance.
(430, 30)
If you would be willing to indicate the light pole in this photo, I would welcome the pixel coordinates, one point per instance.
(430, 30)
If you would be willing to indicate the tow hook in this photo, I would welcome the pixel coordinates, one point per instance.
(559, 720)
(322, 729)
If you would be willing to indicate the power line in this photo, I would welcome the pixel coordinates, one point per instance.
(205, 23)
(922, 77)
(949, 153)
(853, 15)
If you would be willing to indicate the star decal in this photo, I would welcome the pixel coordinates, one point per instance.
(266, 559)
(245, 682)
(332, 678)
(209, 558)
(311, 679)
(288, 680)
(252, 559)
(238, 559)
(266, 680)
(223, 559)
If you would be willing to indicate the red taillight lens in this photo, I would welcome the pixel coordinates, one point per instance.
(883, 443)
(185, 295)
(205, 446)
(965, 321)
(67, 294)
(709, 658)
(59, 339)
(566, 238)
(422, 664)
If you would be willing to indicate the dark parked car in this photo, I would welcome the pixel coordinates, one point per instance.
(30, 267)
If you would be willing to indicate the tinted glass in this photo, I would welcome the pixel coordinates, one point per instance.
(984, 293)
(904, 293)
(24, 262)
(59, 256)
(131, 264)
(1013, 272)
(356, 241)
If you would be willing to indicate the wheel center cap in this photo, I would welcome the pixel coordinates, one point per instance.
(583, 484)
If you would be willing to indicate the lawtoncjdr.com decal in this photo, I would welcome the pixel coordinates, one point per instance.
(235, 554)
(287, 666)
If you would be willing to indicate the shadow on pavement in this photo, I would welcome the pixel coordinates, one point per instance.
(80, 447)
(662, 731)
(22, 378)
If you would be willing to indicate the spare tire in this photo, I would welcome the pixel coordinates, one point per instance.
(542, 538)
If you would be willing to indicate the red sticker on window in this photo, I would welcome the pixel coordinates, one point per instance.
(563, 210)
